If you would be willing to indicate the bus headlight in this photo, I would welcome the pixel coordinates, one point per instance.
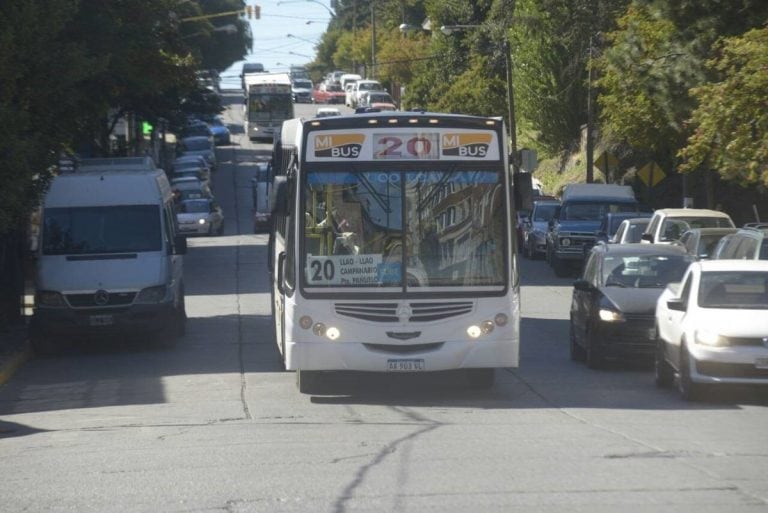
(501, 319)
(486, 327)
(332, 333)
(474, 331)
(305, 322)
(319, 329)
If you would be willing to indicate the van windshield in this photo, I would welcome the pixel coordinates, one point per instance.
(101, 230)
(593, 211)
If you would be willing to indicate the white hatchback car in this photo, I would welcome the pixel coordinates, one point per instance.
(712, 328)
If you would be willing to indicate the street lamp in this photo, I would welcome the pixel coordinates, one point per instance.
(330, 11)
(301, 55)
(451, 29)
(301, 39)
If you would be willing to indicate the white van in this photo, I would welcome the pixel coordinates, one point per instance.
(109, 259)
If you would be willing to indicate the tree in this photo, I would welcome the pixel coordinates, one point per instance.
(730, 123)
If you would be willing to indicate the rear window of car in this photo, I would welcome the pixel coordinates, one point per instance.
(734, 289)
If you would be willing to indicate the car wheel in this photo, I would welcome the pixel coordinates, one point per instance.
(481, 379)
(664, 375)
(689, 390)
(594, 355)
(576, 351)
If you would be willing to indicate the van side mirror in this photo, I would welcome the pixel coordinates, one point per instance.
(648, 237)
(676, 304)
(278, 196)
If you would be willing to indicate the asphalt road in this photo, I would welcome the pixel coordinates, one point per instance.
(215, 425)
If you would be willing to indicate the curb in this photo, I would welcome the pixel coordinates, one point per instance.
(15, 360)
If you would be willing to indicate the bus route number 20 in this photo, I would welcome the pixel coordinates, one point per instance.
(406, 148)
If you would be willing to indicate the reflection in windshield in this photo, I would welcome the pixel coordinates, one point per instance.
(593, 211)
(97, 230)
(446, 227)
(646, 271)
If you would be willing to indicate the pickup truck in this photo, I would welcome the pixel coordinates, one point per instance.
(328, 93)
(572, 231)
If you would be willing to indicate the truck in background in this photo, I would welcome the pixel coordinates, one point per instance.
(572, 230)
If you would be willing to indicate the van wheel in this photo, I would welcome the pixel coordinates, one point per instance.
(481, 379)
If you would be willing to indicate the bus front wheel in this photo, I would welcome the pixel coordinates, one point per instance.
(481, 378)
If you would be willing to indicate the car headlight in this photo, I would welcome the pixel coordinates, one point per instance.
(201, 221)
(152, 294)
(710, 338)
(608, 315)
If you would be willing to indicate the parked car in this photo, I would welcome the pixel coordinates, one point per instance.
(701, 242)
(380, 100)
(746, 244)
(200, 217)
(630, 231)
(535, 228)
(328, 93)
(221, 133)
(196, 173)
(611, 222)
(196, 159)
(713, 327)
(669, 224)
(198, 146)
(324, 112)
(189, 187)
(613, 303)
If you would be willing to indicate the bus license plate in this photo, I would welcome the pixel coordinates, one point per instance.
(406, 365)
(101, 320)
(761, 363)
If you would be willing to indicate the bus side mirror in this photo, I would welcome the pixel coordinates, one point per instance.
(278, 196)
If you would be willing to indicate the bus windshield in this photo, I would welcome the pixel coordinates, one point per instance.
(399, 230)
(266, 107)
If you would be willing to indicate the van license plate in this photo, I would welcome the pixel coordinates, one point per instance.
(101, 320)
(406, 365)
(761, 363)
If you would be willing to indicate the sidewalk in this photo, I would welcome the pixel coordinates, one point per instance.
(14, 350)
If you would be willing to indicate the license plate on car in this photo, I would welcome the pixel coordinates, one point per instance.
(761, 363)
(101, 320)
(405, 365)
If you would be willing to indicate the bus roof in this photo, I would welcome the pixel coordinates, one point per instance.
(267, 78)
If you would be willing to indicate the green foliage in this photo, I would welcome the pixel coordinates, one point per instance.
(731, 120)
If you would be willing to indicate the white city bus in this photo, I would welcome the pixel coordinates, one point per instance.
(391, 247)
(268, 102)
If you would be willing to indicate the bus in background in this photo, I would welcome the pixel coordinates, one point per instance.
(391, 246)
(268, 102)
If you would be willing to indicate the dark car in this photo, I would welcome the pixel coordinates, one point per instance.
(614, 302)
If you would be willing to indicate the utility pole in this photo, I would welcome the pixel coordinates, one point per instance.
(590, 122)
(373, 40)
(511, 106)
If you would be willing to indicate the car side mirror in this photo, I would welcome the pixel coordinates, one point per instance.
(582, 285)
(676, 304)
(647, 237)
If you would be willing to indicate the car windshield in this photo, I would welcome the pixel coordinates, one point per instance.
(99, 230)
(643, 271)
(734, 289)
(544, 212)
(708, 243)
(404, 229)
(302, 84)
(592, 210)
(195, 206)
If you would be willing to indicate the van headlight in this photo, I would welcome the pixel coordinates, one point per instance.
(152, 295)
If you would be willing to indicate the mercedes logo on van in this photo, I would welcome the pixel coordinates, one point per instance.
(101, 297)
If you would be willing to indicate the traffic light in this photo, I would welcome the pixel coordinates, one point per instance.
(257, 11)
(249, 11)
